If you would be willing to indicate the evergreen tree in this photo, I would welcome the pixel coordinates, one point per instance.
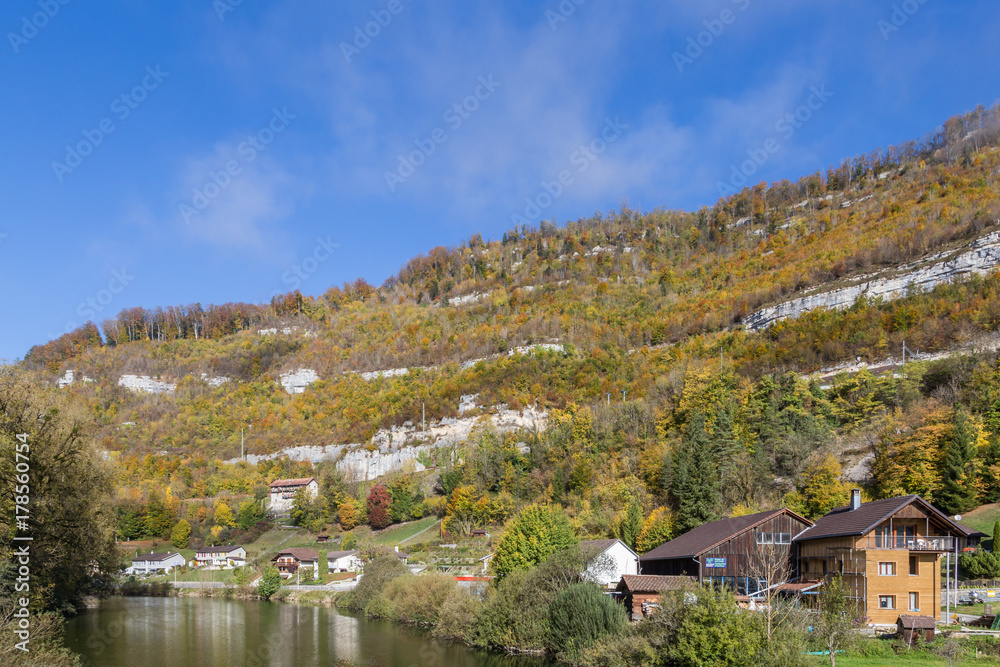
(996, 537)
(990, 480)
(181, 534)
(531, 537)
(696, 483)
(630, 525)
(958, 493)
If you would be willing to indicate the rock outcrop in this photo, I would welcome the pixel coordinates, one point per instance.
(980, 257)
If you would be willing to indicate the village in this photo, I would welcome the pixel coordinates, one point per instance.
(897, 559)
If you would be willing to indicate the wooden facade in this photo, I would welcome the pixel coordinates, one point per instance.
(742, 561)
(891, 569)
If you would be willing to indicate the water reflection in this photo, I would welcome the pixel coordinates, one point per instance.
(196, 632)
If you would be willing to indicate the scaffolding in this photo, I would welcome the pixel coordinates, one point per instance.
(852, 565)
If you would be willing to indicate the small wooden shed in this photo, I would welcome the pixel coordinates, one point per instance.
(910, 628)
(640, 593)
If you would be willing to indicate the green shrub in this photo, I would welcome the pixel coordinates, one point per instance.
(627, 650)
(581, 614)
(411, 599)
(715, 631)
(269, 584)
(457, 616)
(514, 614)
(377, 574)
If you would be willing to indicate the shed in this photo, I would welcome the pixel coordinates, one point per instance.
(641, 592)
(911, 628)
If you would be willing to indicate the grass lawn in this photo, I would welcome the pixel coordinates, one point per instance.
(271, 539)
(400, 534)
(983, 519)
(918, 660)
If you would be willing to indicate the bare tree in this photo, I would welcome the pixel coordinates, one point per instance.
(770, 566)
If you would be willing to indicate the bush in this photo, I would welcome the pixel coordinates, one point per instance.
(269, 584)
(377, 574)
(580, 615)
(715, 626)
(628, 650)
(514, 615)
(457, 616)
(411, 599)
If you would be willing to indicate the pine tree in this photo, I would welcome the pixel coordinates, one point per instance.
(959, 490)
(630, 525)
(996, 536)
(696, 482)
(990, 480)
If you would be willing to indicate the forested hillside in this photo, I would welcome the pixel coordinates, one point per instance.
(664, 411)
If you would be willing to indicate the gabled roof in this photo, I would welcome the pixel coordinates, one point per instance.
(334, 555)
(652, 583)
(709, 535)
(916, 622)
(219, 550)
(600, 546)
(843, 522)
(154, 557)
(299, 553)
(299, 481)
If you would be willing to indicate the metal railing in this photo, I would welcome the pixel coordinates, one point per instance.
(912, 542)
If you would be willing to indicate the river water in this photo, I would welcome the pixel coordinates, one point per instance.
(205, 632)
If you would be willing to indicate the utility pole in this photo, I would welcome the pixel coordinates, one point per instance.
(609, 400)
(241, 443)
(423, 417)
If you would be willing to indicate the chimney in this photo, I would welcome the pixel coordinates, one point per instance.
(855, 499)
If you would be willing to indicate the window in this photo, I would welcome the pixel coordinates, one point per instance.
(914, 565)
(914, 601)
(887, 602)
(774, 538)
(887, 569)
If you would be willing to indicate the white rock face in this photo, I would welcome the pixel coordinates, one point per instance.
(981, 257)
(467, 298)
(467, 403)
(390, 373)
(67, 379)
(145, 384)
(295, 382)
(214, 381)
(397, 448)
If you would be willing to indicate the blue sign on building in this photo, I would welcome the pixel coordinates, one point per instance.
(715, 562)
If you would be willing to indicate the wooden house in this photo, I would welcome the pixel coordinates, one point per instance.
(746, 553)
(640, 593)
(289, 561)
(887, 551)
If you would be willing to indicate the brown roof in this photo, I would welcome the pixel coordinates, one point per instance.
(653, 583)
(708, 535)
(916, 622)
(299, 553)
(842, 521)
(334, 555)
(799, 586)
(299, 481)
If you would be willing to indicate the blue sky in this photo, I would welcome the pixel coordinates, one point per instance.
(171, 153)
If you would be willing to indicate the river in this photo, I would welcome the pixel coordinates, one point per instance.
(205, 632)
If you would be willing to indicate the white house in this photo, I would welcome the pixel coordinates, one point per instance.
(155, 562)
(609, 560)
(283, 492)
(221, 557)
(343, 561)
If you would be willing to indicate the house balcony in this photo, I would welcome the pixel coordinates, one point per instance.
(912, 542)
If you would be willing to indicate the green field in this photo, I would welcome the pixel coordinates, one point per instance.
(982, 519)
(404, 532)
